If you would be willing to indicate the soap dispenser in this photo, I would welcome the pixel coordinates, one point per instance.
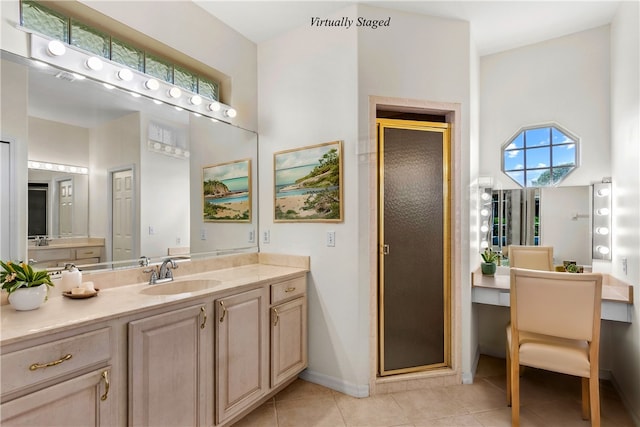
(71, 278)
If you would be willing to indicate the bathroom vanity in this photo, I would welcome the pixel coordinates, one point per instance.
(205, 349)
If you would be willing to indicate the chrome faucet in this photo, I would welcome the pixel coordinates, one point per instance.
(165, 269)
(162, 273)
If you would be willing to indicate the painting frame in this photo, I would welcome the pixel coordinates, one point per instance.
(218, 196)
(308, 183)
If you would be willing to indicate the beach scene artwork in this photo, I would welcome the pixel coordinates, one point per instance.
(308, 183)
(226, 190)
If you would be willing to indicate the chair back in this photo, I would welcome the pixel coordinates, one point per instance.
(531, 257)
(564, 305)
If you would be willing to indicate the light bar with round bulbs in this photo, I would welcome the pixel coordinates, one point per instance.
(86, 65)
(601, 220)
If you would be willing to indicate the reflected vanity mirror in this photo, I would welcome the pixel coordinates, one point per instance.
(140, 192)
(549, 216)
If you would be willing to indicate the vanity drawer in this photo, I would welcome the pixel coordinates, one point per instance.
(82, 253)
(287, 290)
(50, 254)
(44, 362)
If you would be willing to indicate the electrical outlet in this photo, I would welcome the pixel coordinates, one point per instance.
(178, 240)
(331, 238)
(152, 230)
(203, 234)
(252, 236)
(266, 236)
(624, 266)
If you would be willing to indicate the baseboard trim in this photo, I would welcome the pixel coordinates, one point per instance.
(467, 377)
(355, 390)
(627, 404)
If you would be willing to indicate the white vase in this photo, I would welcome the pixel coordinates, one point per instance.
(24, 299)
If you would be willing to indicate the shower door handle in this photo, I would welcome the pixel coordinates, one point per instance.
(385, 249)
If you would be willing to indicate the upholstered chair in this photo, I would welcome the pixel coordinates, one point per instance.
(555, 326)
(531, 257)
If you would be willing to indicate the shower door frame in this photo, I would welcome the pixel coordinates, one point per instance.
(444, 130)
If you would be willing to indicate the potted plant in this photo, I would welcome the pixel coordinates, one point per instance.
(27, 288)
(489, 259)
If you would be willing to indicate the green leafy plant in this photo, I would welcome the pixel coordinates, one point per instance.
(572, 268)
(20, 275)
(489, 256)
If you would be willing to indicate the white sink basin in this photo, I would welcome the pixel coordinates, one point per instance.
(180, 287)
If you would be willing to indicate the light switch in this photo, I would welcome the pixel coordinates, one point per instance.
(331, 238)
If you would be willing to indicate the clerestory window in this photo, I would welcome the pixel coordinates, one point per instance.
(540, 156)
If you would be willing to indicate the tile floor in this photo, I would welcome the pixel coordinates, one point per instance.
(547, 399)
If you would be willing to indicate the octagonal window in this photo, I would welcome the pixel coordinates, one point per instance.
(540, 156)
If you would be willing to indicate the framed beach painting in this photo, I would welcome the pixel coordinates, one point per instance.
(226, 192)
(308, 184)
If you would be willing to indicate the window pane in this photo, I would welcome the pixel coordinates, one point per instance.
(208, 89)
(517, 177)
(45, 21)
(557, 137)
(89, 39)
(513, 160)
(560, 173)
(517, 142)
(538, 158)
(538, 177)
(537, 137)
(127, 55)
(185, 79)
(564, 155)
(158, 69)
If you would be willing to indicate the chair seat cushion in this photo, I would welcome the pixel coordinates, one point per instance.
(552, 353)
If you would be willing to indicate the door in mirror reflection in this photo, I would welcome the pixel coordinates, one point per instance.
(65, 203)
(123, 205)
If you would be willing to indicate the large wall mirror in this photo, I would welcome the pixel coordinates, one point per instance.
(549, 216)
(128, 172)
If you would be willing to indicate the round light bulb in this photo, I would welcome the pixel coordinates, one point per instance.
(603, 192)
(603, 250)
(231, 113)
(35, 165)
(484, 212)
(214, 106)
(73, 169)
(484, 228)
(125, 75)
(156, 145)
(168, 148)
(152, 84)
(94, 63)
(195, 100)
(603, 211)
(187, 154)
(174, 92)
(48, 166)
(485, 196)
(84, 170)
(61, 167)
(56, 48)
(484, 244)
(602, 230)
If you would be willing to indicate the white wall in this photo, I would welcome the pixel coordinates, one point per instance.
(58, 142)
(625, 154)
(307, 82)
(164, 194)
(564, 80)
(314, 86)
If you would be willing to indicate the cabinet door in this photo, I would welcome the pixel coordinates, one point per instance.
(170, 369)
(82, 401)
(241, 351)
(288, 340)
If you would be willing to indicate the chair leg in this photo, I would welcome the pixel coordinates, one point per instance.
(586, 407)
(515, 394)
(508, 376)
(594, 394)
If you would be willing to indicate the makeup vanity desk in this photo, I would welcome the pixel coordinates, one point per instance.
(617, 296)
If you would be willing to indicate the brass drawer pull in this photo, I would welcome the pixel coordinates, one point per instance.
(290, 289)
(224, 311)
(275, 322)
(204, 320)
(36, 366)
(105, 377)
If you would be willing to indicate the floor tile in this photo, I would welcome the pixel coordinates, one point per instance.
(381, 410)
(309, 412)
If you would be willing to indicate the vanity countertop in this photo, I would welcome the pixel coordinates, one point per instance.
(613, 289)
(65, 246)
(60, 313)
